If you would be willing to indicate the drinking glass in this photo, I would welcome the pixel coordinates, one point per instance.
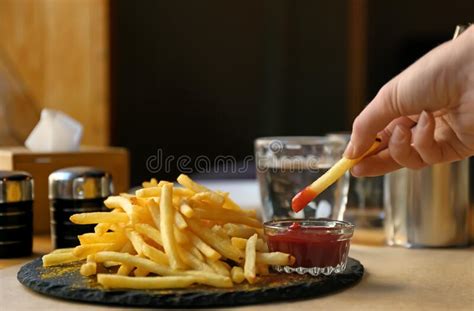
(285, 165)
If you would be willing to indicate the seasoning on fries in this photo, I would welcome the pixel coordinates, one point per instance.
(168, 236)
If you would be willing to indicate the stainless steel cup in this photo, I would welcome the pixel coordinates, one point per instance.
(16, 214)
(429, 207)
(75, 190)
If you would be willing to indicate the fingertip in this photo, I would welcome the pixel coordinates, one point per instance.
(356, 171)
(375, 165)
(400, 136)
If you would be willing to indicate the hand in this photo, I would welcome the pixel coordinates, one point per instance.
(425, 115)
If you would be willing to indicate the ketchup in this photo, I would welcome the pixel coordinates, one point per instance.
(311, 246)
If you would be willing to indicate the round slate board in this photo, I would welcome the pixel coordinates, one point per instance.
(67, 283)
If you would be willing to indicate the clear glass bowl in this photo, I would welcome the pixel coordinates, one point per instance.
(320, 246)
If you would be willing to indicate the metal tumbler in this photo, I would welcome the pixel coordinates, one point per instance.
(429, 207)
(16, 214)
(75, 190)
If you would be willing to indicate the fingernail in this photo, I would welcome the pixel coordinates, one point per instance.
(399, 135)
(423, 121)
(349, 153)
(355, 171)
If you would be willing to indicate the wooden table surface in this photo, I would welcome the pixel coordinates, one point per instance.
(395, 279)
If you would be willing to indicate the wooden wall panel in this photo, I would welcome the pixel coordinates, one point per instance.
(59, 51)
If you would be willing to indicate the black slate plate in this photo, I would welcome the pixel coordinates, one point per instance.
(67, 283)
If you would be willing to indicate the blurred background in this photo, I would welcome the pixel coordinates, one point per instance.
(206, 77)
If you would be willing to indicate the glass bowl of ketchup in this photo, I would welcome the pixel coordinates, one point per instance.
(320, 246)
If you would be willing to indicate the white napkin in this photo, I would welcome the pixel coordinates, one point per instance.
(55, 131)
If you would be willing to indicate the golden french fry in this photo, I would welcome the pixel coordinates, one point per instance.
(140, 201)
(203, 247)
(136, 240)
(148, 192)
(128, 248)
(182, 192)
(151, 183)
(240, 244)
(137, 261)
(187, 182)
(217, 229)
(180, 236)
(62, 250)
(226, 215)
(119, 202)
(212, 198)
(108, 237)
(155, 282)
(193, 262)
(124, 270)
(222, 245)
(179, 221)
(302, 198)
(149, 232)
(193, 250)
(155, 192)
(100, 229)
(98, 217)
(82, 251)
(241, 231)
(186, 210)
(140, 214)
(219, 267)
(140, 272)
(211, 279)
(229, 203)
(88, 269)
(118, 228)
(110, 264)
(250, 259)
(154, 208)
(167, 229)
(237, 274)
(155, 254)
(127, 195)
(275, 258)
(54, 259)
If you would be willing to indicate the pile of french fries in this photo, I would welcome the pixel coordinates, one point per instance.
(168, 236)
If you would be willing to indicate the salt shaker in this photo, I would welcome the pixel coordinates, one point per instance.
(16, 214)
(75, 190)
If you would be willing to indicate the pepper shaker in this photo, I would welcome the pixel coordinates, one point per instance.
(75, 190)
(16, 214)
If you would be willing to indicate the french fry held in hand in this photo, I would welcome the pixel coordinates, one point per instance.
(302, 198)
(167, 236)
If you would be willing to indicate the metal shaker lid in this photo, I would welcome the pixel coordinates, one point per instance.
(79, 183)
(15, 186)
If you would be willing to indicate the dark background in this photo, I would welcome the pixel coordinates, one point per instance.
(208, 77)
